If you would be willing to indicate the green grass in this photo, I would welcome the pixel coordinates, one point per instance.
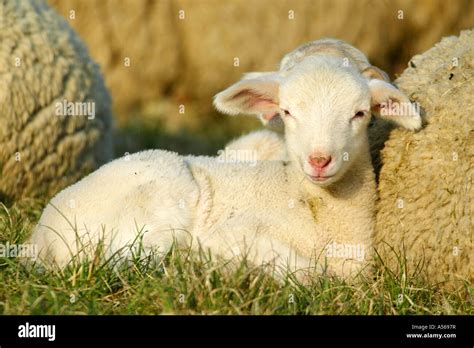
(186, 283)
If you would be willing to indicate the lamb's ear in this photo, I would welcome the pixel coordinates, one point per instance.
(372, 72)
(256, 74)
(257, 95)
(389, 103)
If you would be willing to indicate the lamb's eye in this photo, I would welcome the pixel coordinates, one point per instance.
(358, 114)
(287, 113)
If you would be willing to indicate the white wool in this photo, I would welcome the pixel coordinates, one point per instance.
(268, 211)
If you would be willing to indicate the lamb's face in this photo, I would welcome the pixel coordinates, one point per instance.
(325, 106)
(326, 109)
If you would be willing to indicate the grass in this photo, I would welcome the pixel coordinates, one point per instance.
(187, 283)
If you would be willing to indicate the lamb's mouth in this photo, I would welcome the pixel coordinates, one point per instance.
(320, 178)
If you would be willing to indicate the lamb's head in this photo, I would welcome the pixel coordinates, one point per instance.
(326, 107)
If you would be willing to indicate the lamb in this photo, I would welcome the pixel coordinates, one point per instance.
(313, 212)
(264, 145)
(45, 68)
(424, 210)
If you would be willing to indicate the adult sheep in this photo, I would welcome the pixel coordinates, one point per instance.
(55, 118)
(425, 209)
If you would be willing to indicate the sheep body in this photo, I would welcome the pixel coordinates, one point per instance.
(43, 64)
(176, 198)
(145, 188)
(425, 210)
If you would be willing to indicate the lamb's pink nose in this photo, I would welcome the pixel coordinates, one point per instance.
(319, 160)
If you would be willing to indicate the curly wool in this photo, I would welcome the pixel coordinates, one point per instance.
(42, 62)
(425, 184)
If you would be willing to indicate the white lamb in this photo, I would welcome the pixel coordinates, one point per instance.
(318, 206)
(259, 145)
(270, 145)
